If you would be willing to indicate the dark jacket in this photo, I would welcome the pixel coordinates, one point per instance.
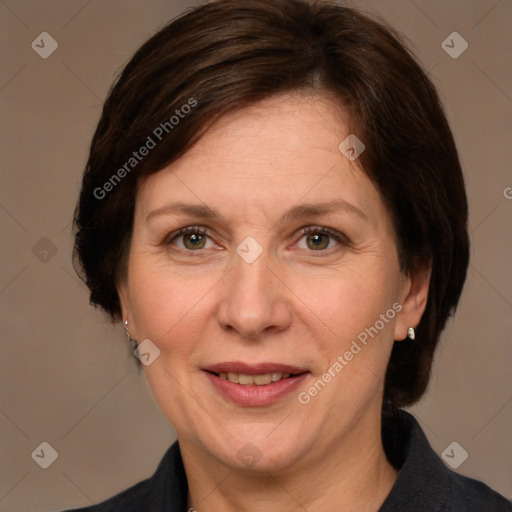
(424, 483)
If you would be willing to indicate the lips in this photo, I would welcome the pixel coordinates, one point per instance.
(254, 384)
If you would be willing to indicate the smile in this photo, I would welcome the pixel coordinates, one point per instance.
(254, 385)
(258, 380)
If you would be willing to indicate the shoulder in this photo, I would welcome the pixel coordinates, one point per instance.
(129, 500)
(475, 496)
(424, 482)
(165, 491)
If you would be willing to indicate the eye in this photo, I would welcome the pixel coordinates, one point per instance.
(190, 239)
(313, 238)
(321, 239)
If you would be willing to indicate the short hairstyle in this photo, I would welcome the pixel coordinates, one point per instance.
(226, 55)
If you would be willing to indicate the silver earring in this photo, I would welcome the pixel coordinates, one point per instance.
(411, 333)
(130, 339)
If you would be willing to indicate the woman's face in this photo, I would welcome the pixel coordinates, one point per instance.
(289, 265)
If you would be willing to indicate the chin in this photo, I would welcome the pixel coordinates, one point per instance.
(259, 452)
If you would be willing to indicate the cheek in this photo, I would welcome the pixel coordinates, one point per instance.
(356, 306)
(352, 299)
(168, 308)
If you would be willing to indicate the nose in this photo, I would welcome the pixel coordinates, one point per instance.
(255, 302)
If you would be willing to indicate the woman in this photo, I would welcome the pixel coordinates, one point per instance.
(274, 208)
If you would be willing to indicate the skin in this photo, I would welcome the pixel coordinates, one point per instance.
(295, 304)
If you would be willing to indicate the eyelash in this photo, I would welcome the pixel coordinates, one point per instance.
(342, 239)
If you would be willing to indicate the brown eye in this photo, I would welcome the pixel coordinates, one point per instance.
(194, 240)
(190, 239)
(318, 241)
(321, 240)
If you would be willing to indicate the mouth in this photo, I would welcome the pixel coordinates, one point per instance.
(244, 379)
(255, 384)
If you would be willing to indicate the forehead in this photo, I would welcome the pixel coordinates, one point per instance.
(270, 155)
(273, 135)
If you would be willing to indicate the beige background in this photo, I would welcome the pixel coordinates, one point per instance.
(67, 376)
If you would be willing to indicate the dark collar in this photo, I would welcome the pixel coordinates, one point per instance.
(424, 483)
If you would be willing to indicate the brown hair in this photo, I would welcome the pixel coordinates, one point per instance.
(227, 54)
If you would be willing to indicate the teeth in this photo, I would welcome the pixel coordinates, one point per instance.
(261, 380)
(249, 380)
(245, 380)
(233, 377)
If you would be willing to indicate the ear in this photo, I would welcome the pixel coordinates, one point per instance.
(414, 300)
(124, 300)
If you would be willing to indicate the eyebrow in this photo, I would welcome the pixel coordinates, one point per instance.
(202, 211)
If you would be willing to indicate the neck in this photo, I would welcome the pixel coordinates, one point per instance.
(353, 472)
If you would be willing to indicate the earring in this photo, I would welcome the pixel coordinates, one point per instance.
(130, 339)
(411, 333)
